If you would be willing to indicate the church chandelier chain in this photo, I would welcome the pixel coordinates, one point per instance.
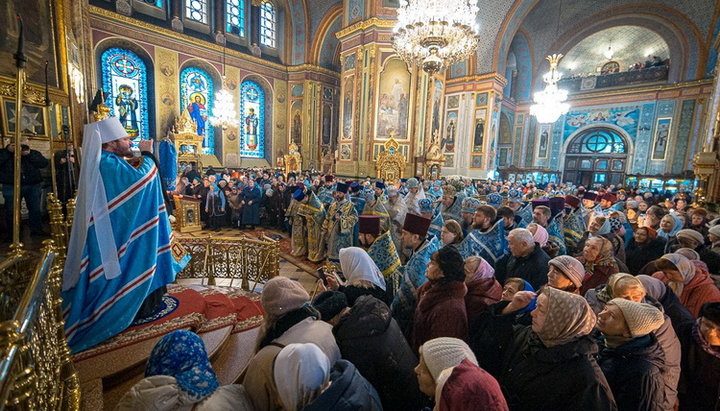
(436, 33)
(223, 113)
(550, 103)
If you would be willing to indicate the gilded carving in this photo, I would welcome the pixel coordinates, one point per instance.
(167, 70)
(391, 162)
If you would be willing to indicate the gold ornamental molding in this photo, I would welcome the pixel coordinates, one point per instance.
(499, 78)
(312, 67)
(651, 89)
(373, 22)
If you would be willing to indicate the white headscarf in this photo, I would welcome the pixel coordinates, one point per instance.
(357, 265)
(301, 373)
(92, 204)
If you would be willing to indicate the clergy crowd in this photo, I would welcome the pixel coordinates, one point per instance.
(461, 295)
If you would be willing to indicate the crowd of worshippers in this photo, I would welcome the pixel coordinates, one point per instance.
(465, 297)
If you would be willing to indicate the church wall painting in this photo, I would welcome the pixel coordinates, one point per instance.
(196, 95)
(683, 137)
(544, 141)
(124, 78)
(438, 87)
(327, 126)
(623, 117)
(451, 122)
(476, 162)
(296, 123)
(481, 99)
(345, 152)
(479, 131)
(252, 120)
(394, 98)
(663, 127)
(347, 110)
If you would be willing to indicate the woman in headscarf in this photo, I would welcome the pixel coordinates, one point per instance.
(689, 280)
(599, 263)
(669, 227)
(483, 289)
(540, 234)
(178, 376)
(440, 310)
(566, 273)
(645, 246)
(307, 381)
(549, 365)
(289, 318)
(617, 231)
(363, 276)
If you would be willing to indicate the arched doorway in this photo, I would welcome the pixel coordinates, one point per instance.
(596, 156)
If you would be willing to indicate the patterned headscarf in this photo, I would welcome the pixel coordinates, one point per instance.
(181, 354)
(615, 224)
(606, 257)
(608, 293)
(567, 317)
(686, 269)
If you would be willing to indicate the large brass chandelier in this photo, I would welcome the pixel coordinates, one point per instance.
(550, 103)
(435, 33)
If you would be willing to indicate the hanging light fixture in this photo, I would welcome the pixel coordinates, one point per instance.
(223, 112)
(435, 33)
(550, 103)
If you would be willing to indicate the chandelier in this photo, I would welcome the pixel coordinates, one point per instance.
(223, 112)
(550, 103)
(435, 33)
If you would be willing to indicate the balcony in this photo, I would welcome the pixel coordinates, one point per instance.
(621, 79)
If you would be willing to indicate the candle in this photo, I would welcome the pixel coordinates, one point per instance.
(20, 55)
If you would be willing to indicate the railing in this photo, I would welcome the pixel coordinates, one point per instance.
(36, 372)
(244, 259)
(623, 78)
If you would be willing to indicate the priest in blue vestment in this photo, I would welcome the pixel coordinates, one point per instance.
(121, 253)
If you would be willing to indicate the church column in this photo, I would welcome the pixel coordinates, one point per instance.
(711, 143)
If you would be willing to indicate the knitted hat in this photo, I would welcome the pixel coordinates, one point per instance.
(715, 230)
(413, 183)
(691, 234)
(369, 224)
(615, 224)
(470, 205)
(632, 204)
(330, 304)
(570, 267)
(590, 195)
(445, 352)
(641, 318)
(282, 295)
(342, 187)
(299, 195)
(572, 201)
(416, 224)
(451, 263)
(426, 205)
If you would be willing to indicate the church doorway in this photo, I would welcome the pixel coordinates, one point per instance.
(596, 156)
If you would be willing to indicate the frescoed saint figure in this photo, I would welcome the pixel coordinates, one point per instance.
(198, 112)
(127, 106)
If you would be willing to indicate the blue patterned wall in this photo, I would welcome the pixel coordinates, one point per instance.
(297, 11)
(623, 117)
(644, 139)
(458, 70)
(683, 136)
(520, 47)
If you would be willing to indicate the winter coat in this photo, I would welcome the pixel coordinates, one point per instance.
(535, 377)
(370, 338)
(673, 308)
(470, 388)
(440, 312)
(532, 268)
(698, 291)
(259, 380)
(353, 292)
(638, 255)
(481, 294)
(30, 165)
(251, 212)
(699, 388)
(633, 372)
(348, 390)
(600, 276)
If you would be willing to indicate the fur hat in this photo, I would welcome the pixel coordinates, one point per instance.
(570, 267)
(282, 295)
(445, 352)
(641, 318)
(590, 195)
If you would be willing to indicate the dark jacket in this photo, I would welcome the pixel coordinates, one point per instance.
(699, 388)
(30, 165)
(633, 372)
(638, 255)
(673, 308)
(535, 377)
(370, 338)
(532, 268)
(480, 295)
(348, 390)
(440, 312)
(353, 292)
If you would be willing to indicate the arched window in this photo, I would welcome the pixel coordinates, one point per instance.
(601, 141)
(197, 10)
(196, 94)
(252, 120)
(235, 17)
(268, 18)
(124, 77)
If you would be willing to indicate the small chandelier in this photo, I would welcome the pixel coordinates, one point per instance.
(223, 113)
(550, 103)
(435, 33)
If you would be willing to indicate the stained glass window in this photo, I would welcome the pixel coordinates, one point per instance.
(197, 10)
(124, 77)
(196, 94)
(267, 24)
(252, 120)
(235, 17)
(598, 141)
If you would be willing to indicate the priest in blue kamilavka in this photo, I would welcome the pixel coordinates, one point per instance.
(121, 253)
(428, 210)
(415, 237)
(381, 249)
(487, 238)
(339, 223)
(379, 189)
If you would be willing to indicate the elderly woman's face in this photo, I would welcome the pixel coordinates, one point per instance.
(592, 249)
(674, 275)
(539, 313)
(509, 291)
(433, 270)
(667, 223)
(629, 291)
(471, 265)
(556, 279)
(711, 331)
(425, 379)
(595, 225)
